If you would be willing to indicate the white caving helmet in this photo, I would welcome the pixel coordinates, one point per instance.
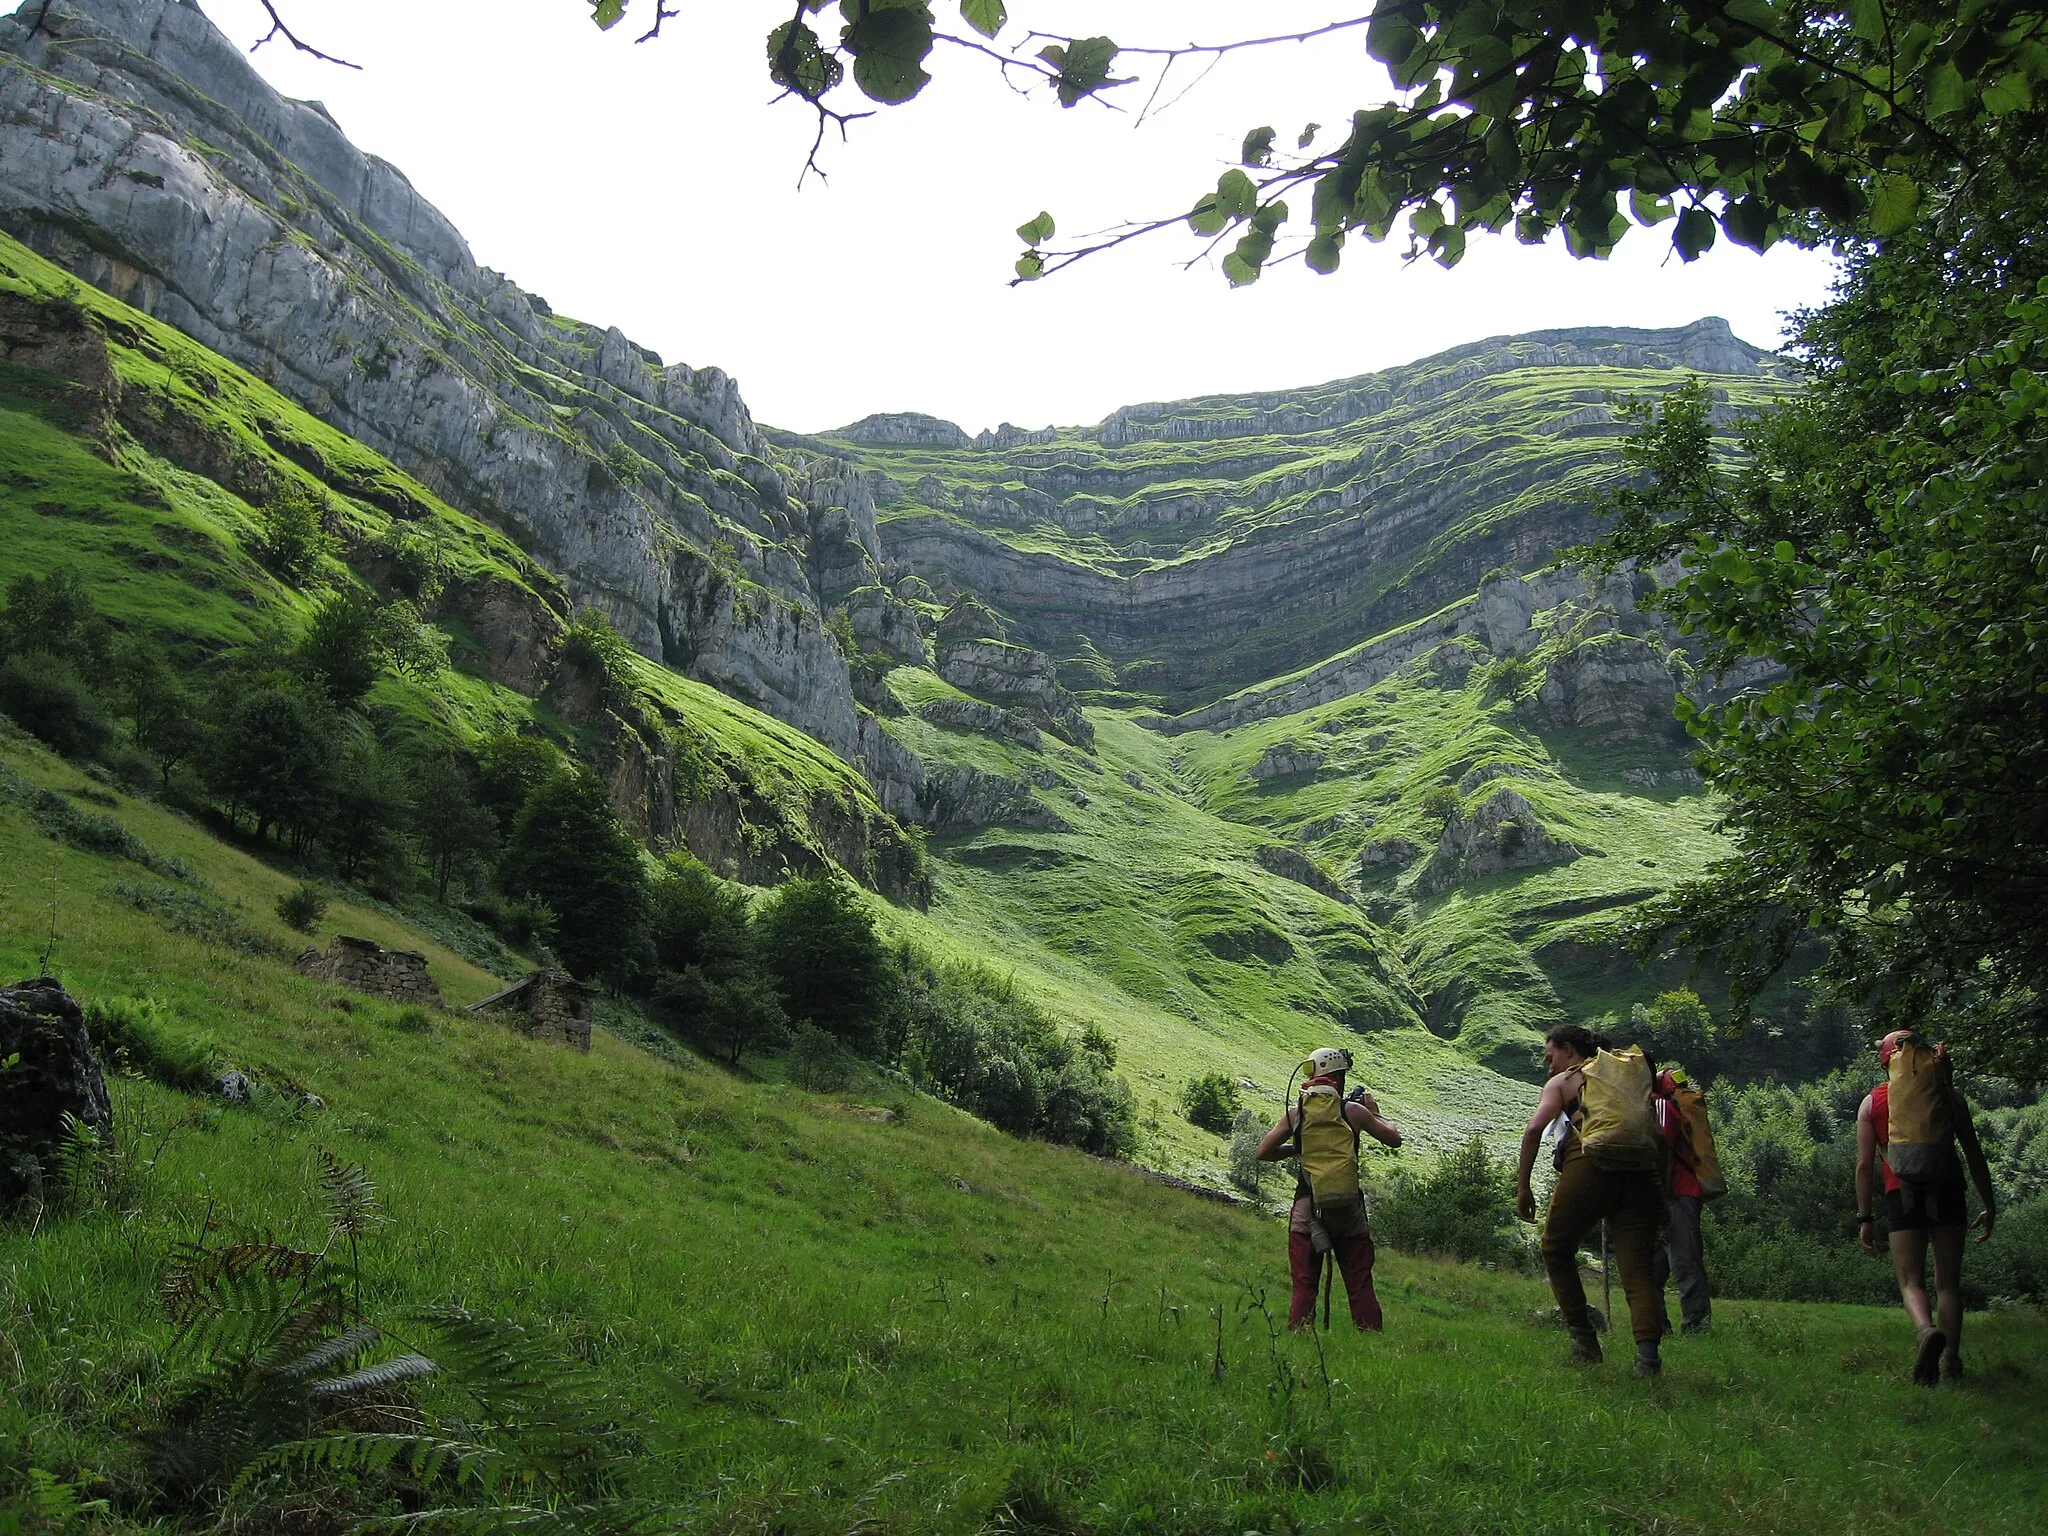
(1328, 1061)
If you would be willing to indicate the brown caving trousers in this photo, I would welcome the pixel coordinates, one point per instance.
(1632, 1204)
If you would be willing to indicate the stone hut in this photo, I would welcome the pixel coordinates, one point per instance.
(552, 1006)
(361, 966)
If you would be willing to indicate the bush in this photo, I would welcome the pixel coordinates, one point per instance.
(1440, 802)
(969, 1038)
(732, 1009)
(1463, 1208)
(302, 907)
(1246, 1172)
(569, 850)
(139, 1033)
(294, 537)
(1211, 1102)
(48, 699)
(818, 1061)
(818, 941)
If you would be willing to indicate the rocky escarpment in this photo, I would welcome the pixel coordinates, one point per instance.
(141, 151)
(1211, 543)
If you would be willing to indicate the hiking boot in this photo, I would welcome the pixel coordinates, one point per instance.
(1585, 1347)
(1927, 1359)
(1649, 1365)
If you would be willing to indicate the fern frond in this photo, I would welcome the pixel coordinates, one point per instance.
(350, 1197)
(424, 1458)
(245, 1298)
(375, 1378)
(325, 1354)
(627, 1517)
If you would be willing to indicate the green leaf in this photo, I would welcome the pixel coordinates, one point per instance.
(889, 44)
(1896, 201)
(1239, 271)
(798, 62)
(607, 13)
(1648, 210)
(1258, 147)
(1694, 235)
(1205, 218)
(1037, 231)
(1325, 251)
(1029, 266)
(985, 16)
(1747, 221)
(1082, 66)
(2011, 93)
(1236, 197)
(1947, 91)
(1308, 135)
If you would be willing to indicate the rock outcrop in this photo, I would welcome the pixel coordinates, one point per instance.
(1503, 832)
(53, 1077)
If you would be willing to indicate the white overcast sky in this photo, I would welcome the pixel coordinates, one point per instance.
(653, 187)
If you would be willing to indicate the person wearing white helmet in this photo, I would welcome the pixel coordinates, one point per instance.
(1322, 1127)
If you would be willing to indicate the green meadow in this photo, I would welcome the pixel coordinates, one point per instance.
(863, 1310)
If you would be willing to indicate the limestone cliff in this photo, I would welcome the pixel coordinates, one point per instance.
(142, 151)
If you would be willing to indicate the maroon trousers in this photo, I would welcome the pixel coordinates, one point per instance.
(1354, 1262)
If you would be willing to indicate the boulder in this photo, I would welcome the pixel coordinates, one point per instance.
(51, 1073)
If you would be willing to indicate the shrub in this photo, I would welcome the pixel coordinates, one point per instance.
(818, 941)
(1211, 1102)
(1440, 802)
(569, 850)
(302, 906)
(48, 699)
(1462, 1208)
(293, 539)
(344, 646)
(818, 1061)
(732, 1009)
(1246, 1172)
(969, 1038)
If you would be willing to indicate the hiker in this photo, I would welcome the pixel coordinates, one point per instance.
(1913, 1120)
(1322, 1128)
(1695, 1179)
(1610, 1165)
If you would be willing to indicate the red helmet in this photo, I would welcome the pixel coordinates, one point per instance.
(1889, 1044)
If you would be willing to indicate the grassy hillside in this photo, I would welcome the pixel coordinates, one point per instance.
(153, 483)
(866, 1311)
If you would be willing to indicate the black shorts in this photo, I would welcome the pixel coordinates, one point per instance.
(1921, 1207)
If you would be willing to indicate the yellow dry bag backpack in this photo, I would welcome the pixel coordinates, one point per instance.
(1704, 1163)
(1617, 1122)
(1920, 1136)
(1329, 1157)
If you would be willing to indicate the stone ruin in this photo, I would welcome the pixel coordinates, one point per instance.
(399, 975)
(551, 1005)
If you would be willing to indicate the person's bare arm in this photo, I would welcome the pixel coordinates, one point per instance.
(1548, 1108)
(1866, 1176)
(1273, 1147)
(1980, 1170)
(1365, 1114)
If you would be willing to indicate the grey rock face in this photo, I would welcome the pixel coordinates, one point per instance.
(1284, 760)
(54, 1075)
(988, 719)
(1022, 679)
(909, 428)
(1502, 833)
(1292, 864)
(139, 149)
(1616, 684)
